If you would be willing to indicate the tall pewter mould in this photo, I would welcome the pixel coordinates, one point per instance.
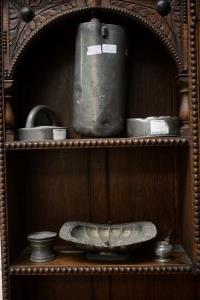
(99, 79)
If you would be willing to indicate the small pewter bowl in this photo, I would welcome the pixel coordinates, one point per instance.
(107, 239)
(153, 126)
(41, 244)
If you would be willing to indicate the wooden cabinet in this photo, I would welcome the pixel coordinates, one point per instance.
(45, 183)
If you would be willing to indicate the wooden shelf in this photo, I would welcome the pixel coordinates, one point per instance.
(96, 143)
(76, 263)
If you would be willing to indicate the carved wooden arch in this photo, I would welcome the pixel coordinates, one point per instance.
(167, 29)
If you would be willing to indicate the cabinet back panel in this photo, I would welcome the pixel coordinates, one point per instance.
(46, 75)
(104, 287)
(97, 185)
(91, 185)
(141, 187)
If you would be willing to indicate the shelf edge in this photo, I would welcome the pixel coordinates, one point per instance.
(17, 270)
(97, 143)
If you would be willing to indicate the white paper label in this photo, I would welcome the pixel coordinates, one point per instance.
(159, 127)
(59, 134)
(109, 48)
(93, 50)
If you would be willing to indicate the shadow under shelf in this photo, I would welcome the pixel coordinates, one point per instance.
(98, 143)
(75, 263)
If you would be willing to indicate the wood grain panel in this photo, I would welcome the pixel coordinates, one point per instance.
(60, 288)
(153, 288)
(51, 190)
(90, 288)
(184, 209)
(101, 288)
(55, 193)
(50, 76)
(17, 205)
(152, 89)
(142, 187)
(98, 186)
(52, 288)
(59, 186)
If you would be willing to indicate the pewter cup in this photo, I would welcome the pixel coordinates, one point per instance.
(163, 251)
(41, 244)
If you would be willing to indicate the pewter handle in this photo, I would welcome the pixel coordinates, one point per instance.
(30, 121)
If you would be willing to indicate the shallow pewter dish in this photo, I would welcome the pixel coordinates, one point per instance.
(152, 126)
(107, 238)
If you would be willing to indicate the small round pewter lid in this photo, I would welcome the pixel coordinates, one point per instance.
(41, 236)
(152, 126)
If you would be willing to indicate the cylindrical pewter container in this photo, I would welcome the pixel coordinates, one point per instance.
(41, 244)
(152, 126)
(99, 85)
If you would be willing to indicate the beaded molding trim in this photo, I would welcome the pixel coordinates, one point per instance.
(195, 127)
(93, 143)
(100, 270)
(3, 204)
(185, 11)
(60, 15)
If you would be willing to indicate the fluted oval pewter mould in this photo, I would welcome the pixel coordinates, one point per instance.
(104, 237)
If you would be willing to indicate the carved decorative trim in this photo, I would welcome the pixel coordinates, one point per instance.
(4, 41)
(168, 29)
(93, 143)
(20, 30)
(195, 126)
(15, 270)
(185, 11)
(3, 203)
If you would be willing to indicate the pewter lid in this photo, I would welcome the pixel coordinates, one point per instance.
(41, 236)
(154, 118)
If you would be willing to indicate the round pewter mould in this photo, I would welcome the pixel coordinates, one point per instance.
(41, 244)
(152, 126)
